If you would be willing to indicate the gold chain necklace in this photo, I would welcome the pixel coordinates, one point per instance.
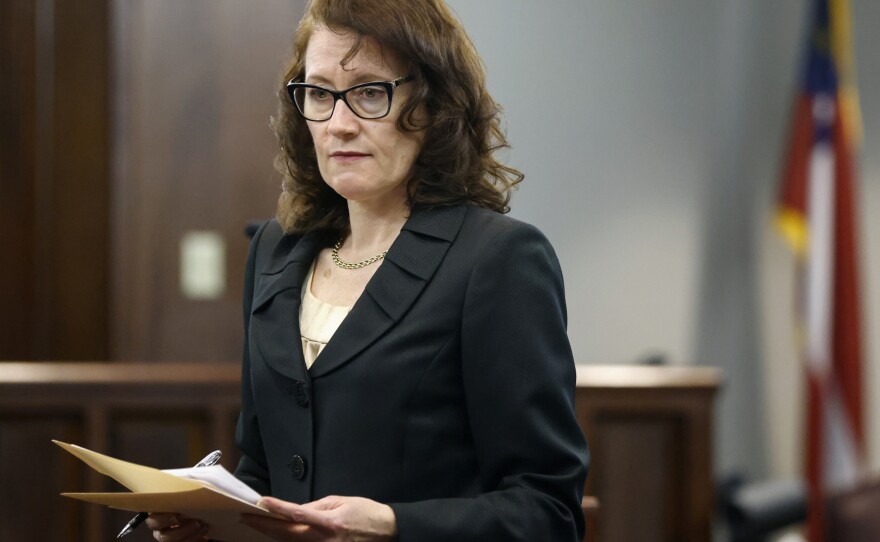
(334, 254)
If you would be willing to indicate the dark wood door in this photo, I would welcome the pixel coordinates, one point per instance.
(194, 84)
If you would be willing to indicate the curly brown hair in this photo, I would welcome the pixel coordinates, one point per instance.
(462, 122)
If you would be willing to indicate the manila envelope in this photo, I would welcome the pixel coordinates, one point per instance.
(157, 491)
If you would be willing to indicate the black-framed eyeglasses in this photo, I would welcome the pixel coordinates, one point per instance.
(366, 100)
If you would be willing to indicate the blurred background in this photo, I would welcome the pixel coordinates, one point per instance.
(135, 146)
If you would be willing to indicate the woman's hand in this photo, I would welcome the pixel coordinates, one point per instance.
(174, 528)
(331, 519)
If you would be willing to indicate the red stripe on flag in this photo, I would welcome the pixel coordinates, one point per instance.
(846, 338)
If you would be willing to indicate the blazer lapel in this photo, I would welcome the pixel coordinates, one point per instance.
(275, 310)
(410, 263)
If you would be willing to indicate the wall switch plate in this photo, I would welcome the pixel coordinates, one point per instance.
(202, 265)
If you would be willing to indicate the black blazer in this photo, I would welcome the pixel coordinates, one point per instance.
(447, 392)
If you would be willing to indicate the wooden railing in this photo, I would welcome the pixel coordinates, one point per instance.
(649, 430)
(164, 415)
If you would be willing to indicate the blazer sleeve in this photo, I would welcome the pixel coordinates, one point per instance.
(252, 468)
(519, 381)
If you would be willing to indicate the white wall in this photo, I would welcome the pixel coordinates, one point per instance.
(651, 134)
(867, 15)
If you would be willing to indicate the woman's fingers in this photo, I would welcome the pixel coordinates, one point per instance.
(298, 513)
(330, 518)
(190, 531)
(162, 521)
(279, 529)
(173, 528)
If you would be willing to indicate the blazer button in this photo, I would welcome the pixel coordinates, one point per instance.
(302, 396)
(297, 467)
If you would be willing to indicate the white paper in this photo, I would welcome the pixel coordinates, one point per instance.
(220, 478)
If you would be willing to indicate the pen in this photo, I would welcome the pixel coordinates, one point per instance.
(210, 459)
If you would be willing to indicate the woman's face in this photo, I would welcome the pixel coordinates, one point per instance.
(367, 161)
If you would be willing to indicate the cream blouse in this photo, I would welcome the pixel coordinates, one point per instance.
(318, 321)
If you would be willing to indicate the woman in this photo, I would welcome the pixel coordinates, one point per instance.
(442, 406)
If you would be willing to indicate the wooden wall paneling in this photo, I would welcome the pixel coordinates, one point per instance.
(124, 320)
(194, 91)
(54, 183)
(75, 246)
(17, 156)
(96, 428)
(165, 438)
(31, 473)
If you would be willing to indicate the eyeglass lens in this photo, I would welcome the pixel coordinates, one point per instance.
(315, 103)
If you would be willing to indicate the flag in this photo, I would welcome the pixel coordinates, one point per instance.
(817, 217)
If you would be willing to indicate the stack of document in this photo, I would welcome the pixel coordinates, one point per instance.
(210, 494)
